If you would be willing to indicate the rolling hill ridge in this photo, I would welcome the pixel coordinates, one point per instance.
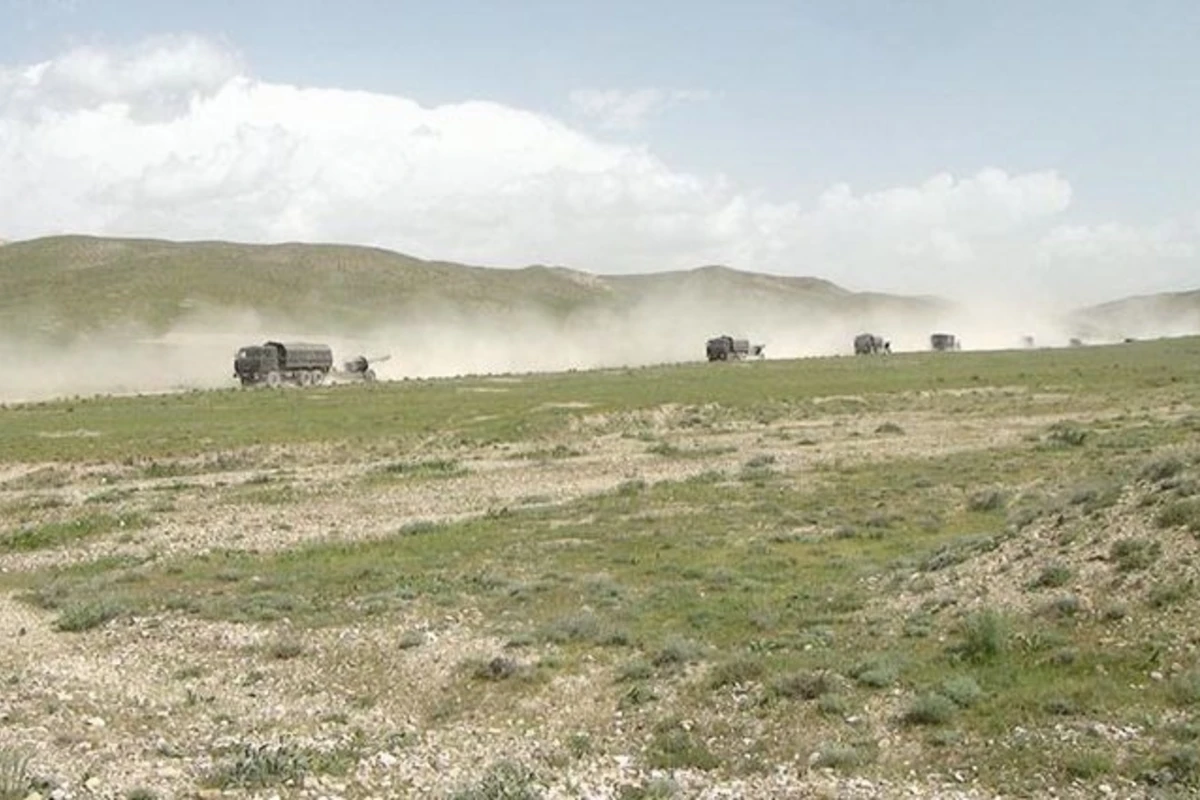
(71, 285)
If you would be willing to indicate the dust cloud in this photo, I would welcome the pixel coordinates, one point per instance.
(198, 353)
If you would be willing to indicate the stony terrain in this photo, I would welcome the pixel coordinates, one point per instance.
(430, 699)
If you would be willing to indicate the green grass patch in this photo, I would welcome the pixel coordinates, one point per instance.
(51, 535)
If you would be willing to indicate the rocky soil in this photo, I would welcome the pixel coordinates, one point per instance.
(173, 706)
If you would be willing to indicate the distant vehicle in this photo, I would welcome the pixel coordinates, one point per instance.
(1027, 341)
(944, 341)
(869, 343)
(276, 363)
(1075, 342)
(726, 348)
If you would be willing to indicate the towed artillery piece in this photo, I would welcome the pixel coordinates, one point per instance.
(359, 368)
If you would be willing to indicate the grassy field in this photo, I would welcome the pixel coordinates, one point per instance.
(940, 574)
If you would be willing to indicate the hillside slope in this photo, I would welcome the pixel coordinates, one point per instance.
(1144, 316)
(70, 285)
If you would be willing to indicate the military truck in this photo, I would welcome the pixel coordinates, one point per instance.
(276, 363)
(726, 348)
(944, 341)
(869, 343)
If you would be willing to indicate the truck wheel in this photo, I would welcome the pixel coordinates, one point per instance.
(274, 379)
(304, 378)
(318, 377)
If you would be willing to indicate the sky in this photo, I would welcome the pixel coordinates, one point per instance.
(1044, 152)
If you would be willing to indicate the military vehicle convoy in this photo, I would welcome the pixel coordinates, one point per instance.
(726, 348)
(298, 363)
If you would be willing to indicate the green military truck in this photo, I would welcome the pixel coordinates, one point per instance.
(276, 363)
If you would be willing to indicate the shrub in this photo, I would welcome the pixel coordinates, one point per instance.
(962, 689)
(639, 694)
(1087, 765)
(1065, 605)
(930, 709)
(1066, 434)
(985, 637)
(285, 648)
(1166, 594)
(838, 755)
(1131, 555)
(987, 500)
(85, 616)
(504, 780)
(1052, 576)
(496, 669)
(878, 676)
(1184, 688)
(250, 766)
(1180, 514)
(1161, 469)
(738, 670)
(636, 670)
(15, 782)
(674, 747)
(833, 705)
(677, 652)
(805, 685)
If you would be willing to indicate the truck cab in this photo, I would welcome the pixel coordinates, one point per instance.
(252, 364)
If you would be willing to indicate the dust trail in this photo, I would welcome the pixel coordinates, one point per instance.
(198, 352)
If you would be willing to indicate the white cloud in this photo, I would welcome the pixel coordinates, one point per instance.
(175, 138)
(1112, 241)
(619, 110)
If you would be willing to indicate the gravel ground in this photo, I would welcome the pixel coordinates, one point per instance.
(152, 707)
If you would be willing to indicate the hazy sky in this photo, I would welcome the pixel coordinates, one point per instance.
(1036, 149)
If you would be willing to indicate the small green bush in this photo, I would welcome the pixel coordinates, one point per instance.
(678, 652)
(1052, 576)
(504, 780)
(1162, 468)
(739, 670)
(930, 709)
(84, 616)
(987, 500)
(675, 747)
(962, 689)
(1180, 514)
(804, 685)
(1184, 688)
(1066, 434)
(984, 637)
(1131, 555)
(15, 782)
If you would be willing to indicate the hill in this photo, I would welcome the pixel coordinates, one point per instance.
(69, 286)
(1144, 316)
